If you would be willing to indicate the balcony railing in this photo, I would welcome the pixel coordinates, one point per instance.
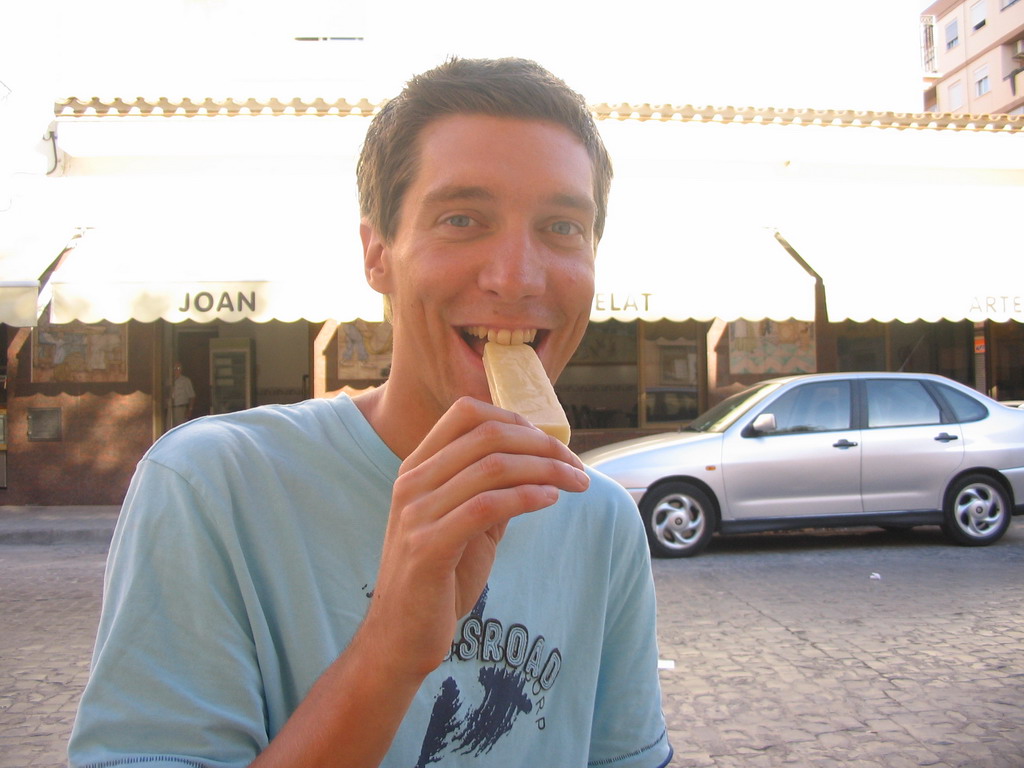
(928, 60)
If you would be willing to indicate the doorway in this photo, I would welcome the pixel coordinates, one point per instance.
(192, 349)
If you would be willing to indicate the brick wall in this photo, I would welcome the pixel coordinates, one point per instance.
(105, 429)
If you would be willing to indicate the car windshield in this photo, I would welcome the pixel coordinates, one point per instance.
(721, 416)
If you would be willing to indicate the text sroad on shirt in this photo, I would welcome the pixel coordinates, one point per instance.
(486, 640)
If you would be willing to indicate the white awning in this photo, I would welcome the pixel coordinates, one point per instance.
(280, 274)
(675, 251)
(215, 271)
(27, 249)
(900, 224)
(912, 253)
(689, 232)
(286, 248)
(207, 247)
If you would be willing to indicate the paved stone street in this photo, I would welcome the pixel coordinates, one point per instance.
(864, 649)
(49, 605)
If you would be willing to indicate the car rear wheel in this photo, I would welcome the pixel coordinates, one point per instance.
(977, 511)
(679, 518)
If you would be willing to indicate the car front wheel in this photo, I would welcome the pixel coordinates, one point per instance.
(679, 518)
(977, 511)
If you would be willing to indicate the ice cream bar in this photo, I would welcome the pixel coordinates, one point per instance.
(519, 383)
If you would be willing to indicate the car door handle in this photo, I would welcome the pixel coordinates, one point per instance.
(844, 443)
(945, 437)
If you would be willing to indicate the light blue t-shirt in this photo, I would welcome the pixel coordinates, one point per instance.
(243, 563)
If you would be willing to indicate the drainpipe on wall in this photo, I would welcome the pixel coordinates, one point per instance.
(1012, 77)
(824, 346)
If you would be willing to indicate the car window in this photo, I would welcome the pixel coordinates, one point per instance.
(818, 407)
(965, 407)
(718, 418)
(900, 402)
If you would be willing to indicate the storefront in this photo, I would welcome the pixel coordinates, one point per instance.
(736, 249)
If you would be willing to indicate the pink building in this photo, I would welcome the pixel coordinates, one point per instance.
(973, 56)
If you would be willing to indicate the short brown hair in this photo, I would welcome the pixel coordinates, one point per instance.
(512, 87)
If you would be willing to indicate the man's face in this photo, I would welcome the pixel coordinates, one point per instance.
(496, 233)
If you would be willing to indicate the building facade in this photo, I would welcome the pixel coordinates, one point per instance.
(973, 56)
(741, 244)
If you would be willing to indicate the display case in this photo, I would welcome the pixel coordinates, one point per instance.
(232, 383)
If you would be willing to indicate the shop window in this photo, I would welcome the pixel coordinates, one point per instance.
(670, 373)
(1007, 345)
(44, 424)
(598, 389)
(942, 347)
(861, 346)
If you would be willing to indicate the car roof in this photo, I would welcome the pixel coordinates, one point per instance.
(860, 375)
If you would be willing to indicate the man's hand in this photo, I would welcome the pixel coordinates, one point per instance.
(479, 467)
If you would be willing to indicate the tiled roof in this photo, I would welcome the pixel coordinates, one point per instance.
(186, 107)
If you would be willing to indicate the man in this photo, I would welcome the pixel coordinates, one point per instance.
(183, 397)
(414, 577)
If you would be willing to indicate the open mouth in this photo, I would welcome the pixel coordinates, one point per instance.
(478, 335)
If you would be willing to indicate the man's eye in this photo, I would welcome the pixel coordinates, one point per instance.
(459, 220)
(564, 228)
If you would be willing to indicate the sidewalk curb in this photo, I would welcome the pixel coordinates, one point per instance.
(37, 525)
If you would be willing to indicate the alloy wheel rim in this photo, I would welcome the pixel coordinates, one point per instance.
(978, 509)
(677, 521)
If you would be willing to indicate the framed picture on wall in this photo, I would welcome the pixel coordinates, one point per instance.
(364, 350)
(79, 352)
(678, 364)
(771, 347)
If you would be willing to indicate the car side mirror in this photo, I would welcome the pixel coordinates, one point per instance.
(764, 424)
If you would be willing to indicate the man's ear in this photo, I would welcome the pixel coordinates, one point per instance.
(376, 261)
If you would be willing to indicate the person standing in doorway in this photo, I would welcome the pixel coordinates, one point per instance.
(183, 397)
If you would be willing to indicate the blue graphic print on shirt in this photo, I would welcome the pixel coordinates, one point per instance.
(514, 681)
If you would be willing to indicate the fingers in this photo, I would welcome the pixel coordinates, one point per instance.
(481, 466)
(467, 415)
(494, 487)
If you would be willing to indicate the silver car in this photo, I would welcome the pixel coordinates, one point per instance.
(894, 450)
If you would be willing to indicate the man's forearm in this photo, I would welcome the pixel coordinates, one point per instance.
(350, 716)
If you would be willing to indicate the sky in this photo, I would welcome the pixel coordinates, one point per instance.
(789, 53)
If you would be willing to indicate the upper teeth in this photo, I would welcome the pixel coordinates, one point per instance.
(503, 335)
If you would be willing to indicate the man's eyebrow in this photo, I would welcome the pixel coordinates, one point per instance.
(455, 193)
(581, 203)
(460, 193)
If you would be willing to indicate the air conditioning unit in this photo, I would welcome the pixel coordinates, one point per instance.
(1018, 50)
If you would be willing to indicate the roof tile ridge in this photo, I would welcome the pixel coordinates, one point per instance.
(167, 106)
(809, 116)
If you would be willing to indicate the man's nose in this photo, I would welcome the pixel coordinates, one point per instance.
(514, 267)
